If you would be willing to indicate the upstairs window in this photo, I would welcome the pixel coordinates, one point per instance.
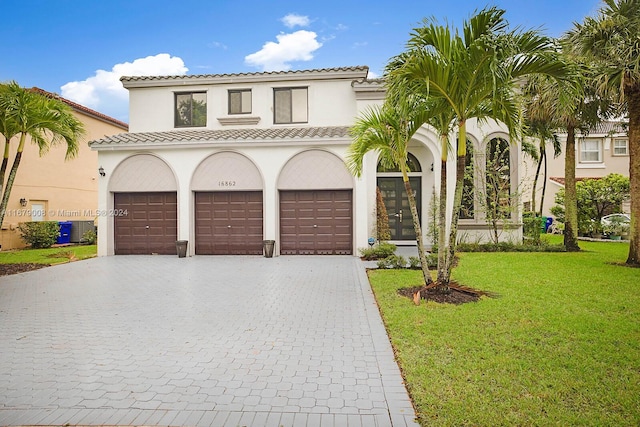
(240, 101)
(591, 151)
(191, 109)
(290, 105)
(620, 147)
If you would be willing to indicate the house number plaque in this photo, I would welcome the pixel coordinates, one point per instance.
(226, 183)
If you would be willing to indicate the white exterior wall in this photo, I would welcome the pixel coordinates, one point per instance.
(333, 100)
(270, 159)
(330, 103)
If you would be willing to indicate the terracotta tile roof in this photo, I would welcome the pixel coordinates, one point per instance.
(82, 108)
(560, 179)
(610, 127)
(223, 135)
(361, 68)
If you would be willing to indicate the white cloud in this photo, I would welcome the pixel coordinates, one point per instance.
(292, 20)
(298, 46)
(104, 92)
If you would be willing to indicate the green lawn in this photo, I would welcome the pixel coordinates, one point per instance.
(559, 346)
(48, 256)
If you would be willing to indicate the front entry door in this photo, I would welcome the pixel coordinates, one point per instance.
(397, 204)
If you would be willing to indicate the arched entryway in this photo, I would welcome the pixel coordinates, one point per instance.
(316, 205)
(145, 214)
(228, 213)
(394, 195)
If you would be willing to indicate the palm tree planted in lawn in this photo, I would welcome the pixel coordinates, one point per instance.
(27, 113)
(611, 40)
(570, 105)
(474, 72)
(387, 130)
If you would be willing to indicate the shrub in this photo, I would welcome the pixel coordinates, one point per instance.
(380, 251)
(39, 234)
(414, 263)
(542, 246)
(597, 197)
(393, 261)
(89, 237)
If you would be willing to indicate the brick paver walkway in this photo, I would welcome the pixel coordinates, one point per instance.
(200, 341)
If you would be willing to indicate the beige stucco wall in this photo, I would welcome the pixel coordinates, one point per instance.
(68, 190)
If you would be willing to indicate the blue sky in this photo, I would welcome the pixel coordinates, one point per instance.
(80, 48)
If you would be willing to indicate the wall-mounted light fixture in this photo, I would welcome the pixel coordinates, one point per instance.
(23, 202)
(101, 171)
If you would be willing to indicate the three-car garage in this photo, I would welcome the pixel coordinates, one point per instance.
(229, 211)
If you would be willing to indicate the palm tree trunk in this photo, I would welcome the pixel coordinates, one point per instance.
(3, 168)
(442, 212)
(632, 93)
(570, 195)
(11, 179)
(544, 182)
(443, 286)
(416, 225)
(536, 177)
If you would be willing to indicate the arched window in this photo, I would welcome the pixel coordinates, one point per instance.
(498, 180)
(467, 208)
(412, 163)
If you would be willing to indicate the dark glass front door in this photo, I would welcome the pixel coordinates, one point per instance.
(397, 204)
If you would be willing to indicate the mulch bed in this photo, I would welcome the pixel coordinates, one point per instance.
(7, 269)
(458, 294)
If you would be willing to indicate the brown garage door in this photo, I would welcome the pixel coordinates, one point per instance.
(316, 222)
(229, 223)
(148, 224)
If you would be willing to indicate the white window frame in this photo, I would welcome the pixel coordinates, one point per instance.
(626, 147)
(583, 151)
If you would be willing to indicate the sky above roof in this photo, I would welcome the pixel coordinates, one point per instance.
(79, 49)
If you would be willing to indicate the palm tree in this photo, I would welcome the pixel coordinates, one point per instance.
(475, 73)
(48, 121)
(611, 40)
(387, 130)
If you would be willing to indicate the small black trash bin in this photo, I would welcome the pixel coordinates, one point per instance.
(268, 246)
(181, 248)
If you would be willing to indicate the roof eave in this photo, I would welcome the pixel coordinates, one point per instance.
(347, 73)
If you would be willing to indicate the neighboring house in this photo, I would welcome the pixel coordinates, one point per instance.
(48, 188)
(602, 151)
(226, 161)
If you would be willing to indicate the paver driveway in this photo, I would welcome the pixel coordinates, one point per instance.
(159, 340)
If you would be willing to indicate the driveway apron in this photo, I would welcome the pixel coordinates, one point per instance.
(198, 341)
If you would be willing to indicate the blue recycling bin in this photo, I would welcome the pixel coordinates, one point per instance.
(548, 222)
(65, 232)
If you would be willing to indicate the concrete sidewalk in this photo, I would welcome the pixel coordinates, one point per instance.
(200, 341)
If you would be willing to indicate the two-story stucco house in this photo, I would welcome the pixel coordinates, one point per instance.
(227, 161)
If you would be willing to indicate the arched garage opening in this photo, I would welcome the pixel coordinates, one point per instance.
(228, 200)
(145, 206)
(316, 205)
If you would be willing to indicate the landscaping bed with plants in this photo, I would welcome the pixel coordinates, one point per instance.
(558, 344)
